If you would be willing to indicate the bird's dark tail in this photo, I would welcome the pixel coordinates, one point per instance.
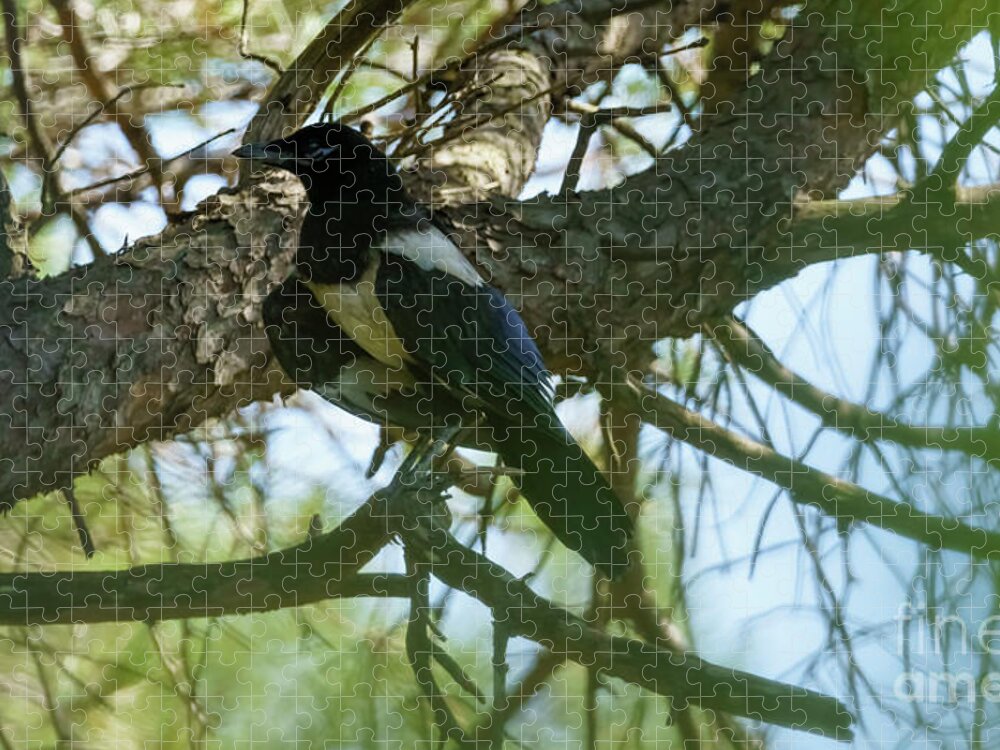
(570, 495)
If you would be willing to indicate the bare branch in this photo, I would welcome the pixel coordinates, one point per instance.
(831, 230)
(135, 174)
(420, 649)
(857, 420)
(683, 677)
(297, 92)
(321, 567)
(103, 90)
(328, 566)
(836, 498)
(15, 40)
(972, 132)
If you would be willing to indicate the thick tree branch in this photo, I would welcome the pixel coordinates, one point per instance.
(173, 591)
(322, 567)
(94, 362)
(142, 347)
(605, 289)
(835, 497)
(692, 238)
(831, 230)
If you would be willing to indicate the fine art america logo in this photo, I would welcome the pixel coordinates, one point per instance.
(932, 647)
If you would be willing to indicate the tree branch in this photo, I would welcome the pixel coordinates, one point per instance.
(682, 677)
(808, 486)
(322, 567)
(857, 420)
(956, 151)
(12, 251)
(15, 40)
(104, 91)
(329, 566)
(298, 91)
(169, 335)
(173, 324)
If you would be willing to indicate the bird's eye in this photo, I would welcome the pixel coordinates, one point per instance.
(318, 152)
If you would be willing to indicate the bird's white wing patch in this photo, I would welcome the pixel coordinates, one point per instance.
(431, 250)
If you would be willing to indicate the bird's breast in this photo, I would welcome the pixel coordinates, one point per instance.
(355, 307)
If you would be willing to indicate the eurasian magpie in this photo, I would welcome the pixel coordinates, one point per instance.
(385, 317)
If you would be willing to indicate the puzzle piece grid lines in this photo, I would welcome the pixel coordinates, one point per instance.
(345, 452)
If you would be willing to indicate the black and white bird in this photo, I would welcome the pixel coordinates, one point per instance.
(385, 317)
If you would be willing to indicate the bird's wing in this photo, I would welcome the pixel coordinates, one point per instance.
(464, 334)
(425, 244)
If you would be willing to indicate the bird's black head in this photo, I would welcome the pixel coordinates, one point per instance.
(331, 156)
(354, 193)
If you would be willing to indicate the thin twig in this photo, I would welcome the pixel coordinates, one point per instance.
(572, 176)
(415, 73)
(458, 674)
(80, 522)
(698, 43)
(352, 68)
(244, 48)
(19, 80)
(615, 117)
(61, 149)
(420, 648)
(501, 639)
(136, 173)
(451, 65)
(608, 114)
(382, 448)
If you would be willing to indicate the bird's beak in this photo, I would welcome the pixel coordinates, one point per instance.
(258, 152)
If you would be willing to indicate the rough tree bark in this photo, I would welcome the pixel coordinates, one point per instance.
(168, 335)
